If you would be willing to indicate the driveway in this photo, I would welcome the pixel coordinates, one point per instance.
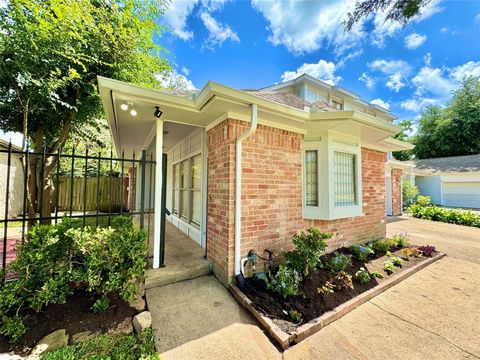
(434, 314)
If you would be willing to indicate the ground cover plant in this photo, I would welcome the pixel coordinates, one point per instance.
(59, 261)
(290, 298)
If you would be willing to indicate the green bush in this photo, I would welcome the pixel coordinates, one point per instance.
(309, 246)
(57, 259)
(409, 193)
(423, 200)
(285, 282)
(339, 262)
(362, 251)
(363, 276)
(382, 246)
(452, 216)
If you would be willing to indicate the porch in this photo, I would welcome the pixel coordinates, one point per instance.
(184, 259)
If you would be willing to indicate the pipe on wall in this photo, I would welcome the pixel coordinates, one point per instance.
(238, 187)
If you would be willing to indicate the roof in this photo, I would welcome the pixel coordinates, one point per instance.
(450, 164)
(292, 100)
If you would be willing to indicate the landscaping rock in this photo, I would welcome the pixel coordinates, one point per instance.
(51, 342)
(141, 289)
(83, 336)
(142, 321)
(10, 357)
(138, 304)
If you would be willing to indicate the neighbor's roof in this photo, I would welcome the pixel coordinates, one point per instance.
(466, 163)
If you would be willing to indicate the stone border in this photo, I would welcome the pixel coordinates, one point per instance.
(285, 340)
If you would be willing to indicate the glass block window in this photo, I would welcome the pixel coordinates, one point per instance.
(345, 180)
(311, 178)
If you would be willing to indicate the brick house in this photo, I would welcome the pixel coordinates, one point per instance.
(247, 169)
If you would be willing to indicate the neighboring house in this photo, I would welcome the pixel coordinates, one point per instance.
(15, 193)
(450, 181)
(249, 169)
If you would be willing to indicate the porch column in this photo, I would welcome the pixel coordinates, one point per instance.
(157, 224)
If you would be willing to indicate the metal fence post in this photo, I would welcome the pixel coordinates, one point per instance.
(142, 189)
(5, 224)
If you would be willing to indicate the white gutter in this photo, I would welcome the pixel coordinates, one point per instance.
(238, 187)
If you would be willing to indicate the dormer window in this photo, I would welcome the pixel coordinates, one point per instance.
(337, 104)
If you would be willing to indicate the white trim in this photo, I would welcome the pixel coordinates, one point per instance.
(204, 190)
(157, 224)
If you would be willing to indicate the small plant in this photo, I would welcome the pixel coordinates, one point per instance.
(361, 251)
(309, 246)
(388, 253)
(388, 267)
(362, 276)
(339, 262)
(427, 250)
(326, 289)
(101, 304)
(343, 280)
(406, 252)
(295, 316)
(376, 274)
(382, 246)
(285, 282)
(397, 261)
(416, 252)
(400, 240)
(423, 200)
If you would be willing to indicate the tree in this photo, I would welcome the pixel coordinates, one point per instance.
(397, 10)
(452, 130)
(407, 127)
(51, 52)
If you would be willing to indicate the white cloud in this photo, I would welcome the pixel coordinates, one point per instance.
(185, 71)
(177, 15)
(306, 26)
(384, 29)
(477, 18)
(381, 103)
(218, 33)
(175, 81)
(414, 40)
(323, 70)
(471, 68)
(395, 70)
(432, 81)
(367, 79)
(417, 104)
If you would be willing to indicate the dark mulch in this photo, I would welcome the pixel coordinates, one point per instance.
(310, 303)
(75, 316)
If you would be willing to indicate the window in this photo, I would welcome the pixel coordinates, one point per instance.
(337, 105)
(311, 178)
(345, 174)
(195, 190)
(184, 189)
(176, 187)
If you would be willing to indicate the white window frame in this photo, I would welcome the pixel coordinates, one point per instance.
(330, 142)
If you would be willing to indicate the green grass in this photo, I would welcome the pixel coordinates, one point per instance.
(110, 347)
(12, 224)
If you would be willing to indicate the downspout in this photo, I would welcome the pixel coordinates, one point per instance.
(238, 191)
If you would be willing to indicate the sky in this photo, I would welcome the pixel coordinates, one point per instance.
(253, 44)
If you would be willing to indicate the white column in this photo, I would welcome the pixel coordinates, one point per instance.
(158, 194)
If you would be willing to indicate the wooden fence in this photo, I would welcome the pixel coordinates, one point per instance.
(109, 193)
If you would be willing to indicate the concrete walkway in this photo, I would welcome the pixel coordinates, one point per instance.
(435, 314)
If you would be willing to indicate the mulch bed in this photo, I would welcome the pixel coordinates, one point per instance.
(310, 303)
(75, 316)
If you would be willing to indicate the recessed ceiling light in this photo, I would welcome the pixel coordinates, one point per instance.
(124, 107)
(133, 112)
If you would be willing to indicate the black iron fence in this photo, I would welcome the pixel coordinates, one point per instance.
(42, 187)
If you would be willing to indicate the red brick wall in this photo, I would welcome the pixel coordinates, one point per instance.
(397, 191)
(272, 195)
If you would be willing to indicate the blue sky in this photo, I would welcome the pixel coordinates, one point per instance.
(252, 44)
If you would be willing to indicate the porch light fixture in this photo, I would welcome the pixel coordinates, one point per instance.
(133, 112)
(124, 107)
(157, 113)
(129, 105)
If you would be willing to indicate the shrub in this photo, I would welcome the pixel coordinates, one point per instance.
(309, 246)
(56, 259)
(382, 246)
(362, 251)
(339, 262)
(362, 276)
(452, 216)
(400, 240)
(388, 267)
(295, 316)
(343, 280)
(427, 250)
(397, 261)
(409, 192)
(423, 200)
(285, 282)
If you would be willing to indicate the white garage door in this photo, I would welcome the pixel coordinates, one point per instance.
(461, 194)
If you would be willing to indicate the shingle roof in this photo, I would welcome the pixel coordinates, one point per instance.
(290, 100)
(449, 164)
